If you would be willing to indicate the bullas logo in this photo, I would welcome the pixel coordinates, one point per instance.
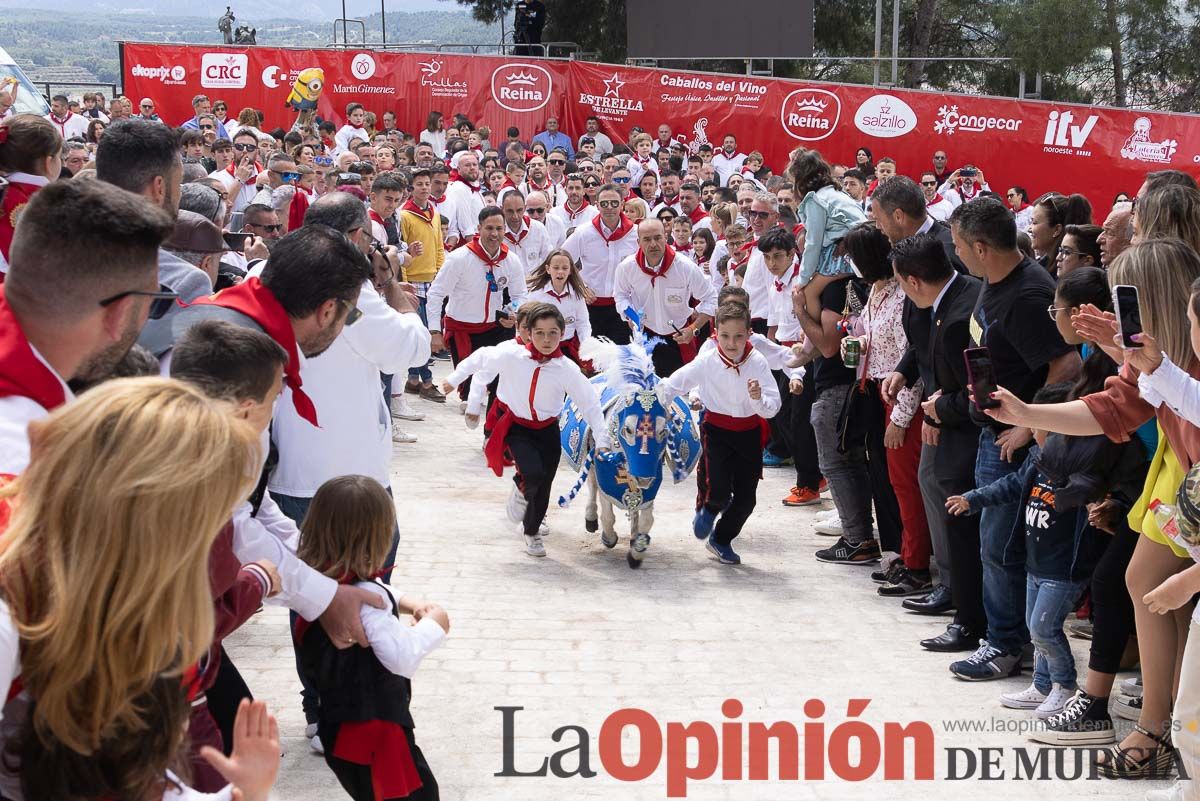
(1062, 136)
(521, 87)
(440, 85)
(885, 116)
(223, 70)
(810, 114)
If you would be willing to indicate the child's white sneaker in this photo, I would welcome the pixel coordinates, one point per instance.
(1055, 702)
(516, 505)
(1029, 698)
(534, 546)
(315, 745)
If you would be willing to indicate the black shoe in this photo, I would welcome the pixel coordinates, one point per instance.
(843, 553)
(1084, 721)
(889, 573)
(907, 582)
(938, 602)
(957, 637)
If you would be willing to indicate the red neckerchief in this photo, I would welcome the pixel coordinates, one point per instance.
(541, 358)
(664, 201)
(725, 360)
(63, 121)
(475, 247)
(963, 194)
(329, 144)
(454, 176)
(780, 284)
(529, 182)
(797, 228)
(524, 232)
(560, 298)
(355, 127)
(624, 227)
(257, 302)
(697, 215)
(573, 214)
(642, 161)
(231, 169)
(376, 216)
(937, 198)
(749, 246)
(22, 373)
(508, 183)
(413, 208)
(438, 201)
(668, 258)
(1024, 206)
(684, 248)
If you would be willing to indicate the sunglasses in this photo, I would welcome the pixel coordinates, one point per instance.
(934, 183)
(609, 204)
(590, 185)
(324, 161)
(161, 301)
(536, 212)
(208, 127)
(559, 162)
(147, 105)
(287, 177)
(758, 215)
(244, 148)
(353, 315)
(270, 229)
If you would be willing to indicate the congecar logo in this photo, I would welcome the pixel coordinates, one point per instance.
(521, 87)
(885, 116)
(223, 70)
(171, 76)
(950, 119)
(810, 114)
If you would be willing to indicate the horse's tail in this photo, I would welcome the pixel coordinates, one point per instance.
(565, 500)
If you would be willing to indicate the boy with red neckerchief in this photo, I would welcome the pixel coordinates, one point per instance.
(734, 383)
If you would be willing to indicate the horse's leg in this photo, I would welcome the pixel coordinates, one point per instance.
(589, 514)
(608, 521)
(639, 534)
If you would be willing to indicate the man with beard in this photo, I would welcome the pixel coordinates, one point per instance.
(81, 283)
(262, 221)
(538, 180)
(424, 156)
(464, 199)
(598, 248)
(577, 210)
(144, 159)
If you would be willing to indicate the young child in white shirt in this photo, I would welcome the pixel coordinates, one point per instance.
(739, 395)
(557, 281)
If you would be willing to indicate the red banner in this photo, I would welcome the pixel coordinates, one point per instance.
(1041, 146)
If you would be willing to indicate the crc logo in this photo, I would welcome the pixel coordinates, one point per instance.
(810, 114)
(362, 67)
(223, 70)
(521, 87)
(1066, 138)
(885, 116)
(951, 120)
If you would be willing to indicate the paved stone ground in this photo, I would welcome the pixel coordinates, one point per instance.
(578, 635)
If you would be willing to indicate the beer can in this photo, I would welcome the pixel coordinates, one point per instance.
(853, 350)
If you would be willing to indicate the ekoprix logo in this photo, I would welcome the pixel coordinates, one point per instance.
(163, 73)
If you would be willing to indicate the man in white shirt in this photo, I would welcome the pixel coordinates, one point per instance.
(664, 140)
(728, 161)
(464, 199)
(538, 180)
(691, 207)
(763, 215)
(69, 124)
(537, 206)
(598, 248)
(526, 238)
(657, 285)
(576, 211)
(241, 176)
(604, 145)
(936, 206)
(668, 196)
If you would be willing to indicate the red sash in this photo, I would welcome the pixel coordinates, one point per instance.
(255, 301)
(23, 374)
(729, 423)
(382, 746)
(461, 332)
(413, 208)
(496, 443)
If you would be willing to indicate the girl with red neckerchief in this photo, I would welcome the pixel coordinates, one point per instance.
(30, 157)
(557, 281)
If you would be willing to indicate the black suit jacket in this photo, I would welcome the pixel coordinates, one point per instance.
(950, 335)
(942, 231)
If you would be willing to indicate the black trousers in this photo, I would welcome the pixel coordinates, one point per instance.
(536, 452)
(732, 470)
(966, 572)
(228, 690)
(887, 508)
(493, 337)
(792, 432)
(1112, 609)
(666, 355)
(607, 322)
(356, 779)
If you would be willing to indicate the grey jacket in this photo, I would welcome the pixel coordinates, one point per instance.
(185, 280)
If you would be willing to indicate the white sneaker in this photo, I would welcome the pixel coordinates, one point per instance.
(462, 407)
(827, 514)
(1176, 792)
(310, 731)
(1029, 698)
(534, 546)
(401, 409)
(1132, 687)
(543, 529)
(399, 435)
(830, 526)
(315, 745)
(515, 506)
(1055, 702)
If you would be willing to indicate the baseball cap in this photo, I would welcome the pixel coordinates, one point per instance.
(587, 140)
(195, 234)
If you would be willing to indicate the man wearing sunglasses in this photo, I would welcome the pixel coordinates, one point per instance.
(537, 207)
(936, 206)
(240, 175)
(202, 107)
(65, 321)
(604, 145)
(598, 247)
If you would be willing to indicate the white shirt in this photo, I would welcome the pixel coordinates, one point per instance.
(637, 169)
(75, 125)
(604, 145)
(531, 244)
(723, 389)
(245, 191)
(951, 193)
(572, 220)
(346, 136)
(480, 365)
(598, 258)
(780, 312)
(556, 193)
(757, 282)
(573, 307)
(941, 210)
(462, 209)
(675, 207)
(435, 138)
(664, 301)
(556, 231)
(462, 281)
(398, 646)
(727, 165)
(355, 432)
(777, 355)
(1024, 218)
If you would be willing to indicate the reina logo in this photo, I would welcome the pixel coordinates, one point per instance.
(223, 70)
(521, 87)
(810, 114)
(885, 116)
(1065, 138)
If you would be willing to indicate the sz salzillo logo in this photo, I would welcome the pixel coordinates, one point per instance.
(1064, 137)
(1140, 148)
(950, 119)
(610, 105)
(223, 70)
(521, 87)
(810, 114)
(440, 85)
(885, 116)
(170, 76)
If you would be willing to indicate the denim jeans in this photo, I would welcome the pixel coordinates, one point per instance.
(296, 508)
(1048, 602)
(422, 374)
(846, 472)
(1003, 574)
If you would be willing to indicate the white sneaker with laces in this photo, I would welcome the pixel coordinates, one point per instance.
(315, 745)
(826, 514)
(1029, 698)
(515, 506)
(534, 546)
(402, 410)
(1055, 702)
(543, 529)
(400, 435)
(830, 526)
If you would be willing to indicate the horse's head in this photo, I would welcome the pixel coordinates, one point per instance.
(637, 423)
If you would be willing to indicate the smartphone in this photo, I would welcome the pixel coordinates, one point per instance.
(982, 377)
(237, 221)
(236, 241)
(1129, 315)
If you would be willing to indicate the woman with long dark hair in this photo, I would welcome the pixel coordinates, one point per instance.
(1052, 213)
